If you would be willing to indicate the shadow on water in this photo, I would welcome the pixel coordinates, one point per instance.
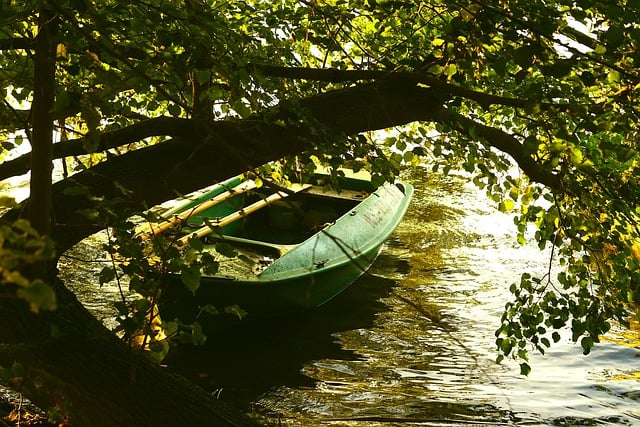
(412, 341)
(247, 360)
(385, 352)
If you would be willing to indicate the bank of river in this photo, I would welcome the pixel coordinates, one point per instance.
(412, 342)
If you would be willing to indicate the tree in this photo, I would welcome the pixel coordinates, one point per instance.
(535, 101)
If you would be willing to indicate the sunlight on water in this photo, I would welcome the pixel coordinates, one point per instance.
(412, 343)
(80, 268)
(429, 359)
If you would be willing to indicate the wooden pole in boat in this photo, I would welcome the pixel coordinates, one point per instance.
(189, 203)
(177, 219)
(208, 229)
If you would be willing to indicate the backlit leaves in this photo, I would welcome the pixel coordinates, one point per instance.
(560, 78)
(21, 248)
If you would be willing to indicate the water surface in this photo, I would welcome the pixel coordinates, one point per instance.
(412, 342)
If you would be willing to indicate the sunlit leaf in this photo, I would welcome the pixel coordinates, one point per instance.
(190, 277)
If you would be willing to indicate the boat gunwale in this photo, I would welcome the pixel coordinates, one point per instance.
(370, 249)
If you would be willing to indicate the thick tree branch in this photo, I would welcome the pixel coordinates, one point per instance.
(160, 126)
(502, 141)
(209, 152)
(222, 149)
(334, 75)
(39, 207)
(323, 107)
(17, 43)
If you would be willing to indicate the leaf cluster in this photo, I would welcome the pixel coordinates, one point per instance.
(536, 101)
(145, 268)
(21, 248)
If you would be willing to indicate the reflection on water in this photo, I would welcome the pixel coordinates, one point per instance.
(412, 341)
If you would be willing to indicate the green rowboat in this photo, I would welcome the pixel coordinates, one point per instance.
(299, 247)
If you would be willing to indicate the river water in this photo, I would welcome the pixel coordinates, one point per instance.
(412, 342)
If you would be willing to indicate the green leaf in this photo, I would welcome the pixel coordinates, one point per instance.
(203, 76)
(107, 274)
(450, 70)
(7, 202)
(190, 277)
(588, 78)
(506, 205)
(524, 56)
(587, 344)
(198, 336)
(196, 243)
(122, 190)
(226, 250)
(174, 110)
(614, 76)
(39, 295)
(525, 369)
(236, 311)
(210, 309)
(209, 264)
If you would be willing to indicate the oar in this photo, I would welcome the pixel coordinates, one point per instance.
(224, 185)
(141, 230)
(177, 219)
(207, 229)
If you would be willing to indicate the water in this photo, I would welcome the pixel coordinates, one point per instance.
(412, 343)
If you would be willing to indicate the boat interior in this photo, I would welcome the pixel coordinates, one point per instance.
(288, 221)
(266, 234)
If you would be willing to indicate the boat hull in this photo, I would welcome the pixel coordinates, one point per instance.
(266, 298)
(312, 273)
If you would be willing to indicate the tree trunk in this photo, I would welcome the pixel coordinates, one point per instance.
(39, 208)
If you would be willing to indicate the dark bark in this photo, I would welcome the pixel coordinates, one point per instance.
(163, 171)
(395, 101)
(504, 142)
(83, 370)
(39, 206)
(16, 43)
(159, 126)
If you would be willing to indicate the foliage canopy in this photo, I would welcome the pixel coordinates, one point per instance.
(538, 101)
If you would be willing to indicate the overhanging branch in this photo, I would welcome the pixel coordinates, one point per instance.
(502, 141)
(333, 75)
(16, 43)
(211, 151)
(160, 126)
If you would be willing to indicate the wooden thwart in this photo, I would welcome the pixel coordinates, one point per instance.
(281, 249)
(155, 229)
(207, 229)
